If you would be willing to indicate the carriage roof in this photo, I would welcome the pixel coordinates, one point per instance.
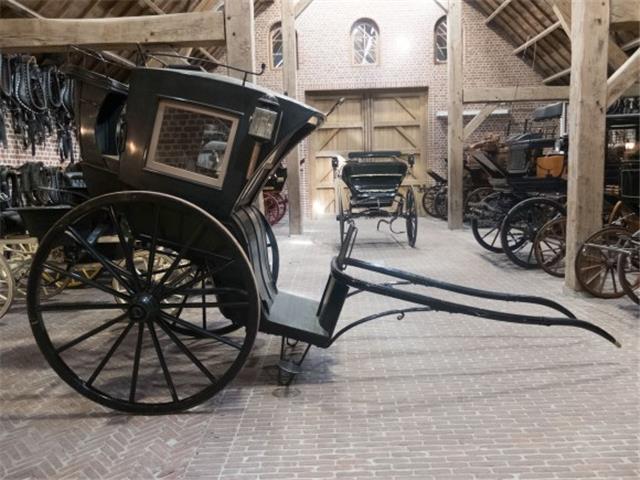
(208, 138)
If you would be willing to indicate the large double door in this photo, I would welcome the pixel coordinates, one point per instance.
(366, 121)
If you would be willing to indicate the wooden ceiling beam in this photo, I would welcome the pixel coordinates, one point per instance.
(514, 94)
(300, 7)
(17, 6)
(557, 76)
(48, 35)
(623, 78)
(538, 37)
(631, 45)
(497, 11)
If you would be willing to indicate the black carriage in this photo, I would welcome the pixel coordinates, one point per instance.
(528, 176)
(174, 314)
(373, 180)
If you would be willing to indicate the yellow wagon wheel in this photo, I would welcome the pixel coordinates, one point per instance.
(87, 270)
(7, 287)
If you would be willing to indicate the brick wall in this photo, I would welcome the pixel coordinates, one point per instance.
(406, 60)
(16, 155)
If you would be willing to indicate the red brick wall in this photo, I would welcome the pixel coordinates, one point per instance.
(406, 59)
(16, 155)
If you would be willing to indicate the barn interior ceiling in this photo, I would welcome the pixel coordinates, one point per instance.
(538, 31)
(68, 9)
(536, 28)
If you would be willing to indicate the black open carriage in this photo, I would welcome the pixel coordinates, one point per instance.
(373, 180)
(174, 314)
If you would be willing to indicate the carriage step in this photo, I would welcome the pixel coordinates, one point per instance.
(289, 367)
(295, 317)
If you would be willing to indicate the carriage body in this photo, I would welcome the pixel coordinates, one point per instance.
(174, 162)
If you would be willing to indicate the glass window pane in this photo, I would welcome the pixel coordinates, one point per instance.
(441, 40)
(365, 43)
(192, 143)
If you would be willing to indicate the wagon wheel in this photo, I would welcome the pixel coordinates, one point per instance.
(273, 251)
(550, 246)
(428, 200)
(89, 270)
(282, 205)
(475, 196)
(486, 227)
(341, 218)
(7, 287)
(19, 255)
(596, 267)
(411, 217)
(628, 269)
(271, 209)
(440, 204)
(521, 225)
(135, 361)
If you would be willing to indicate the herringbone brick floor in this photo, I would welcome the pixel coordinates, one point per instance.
(431, 396)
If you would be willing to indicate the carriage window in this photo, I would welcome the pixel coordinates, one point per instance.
(364, 35)
(440, 40)
(192, 142)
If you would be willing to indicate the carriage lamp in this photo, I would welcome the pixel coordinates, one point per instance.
(264, 120)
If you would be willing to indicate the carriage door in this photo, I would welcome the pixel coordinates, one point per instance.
(369, 120)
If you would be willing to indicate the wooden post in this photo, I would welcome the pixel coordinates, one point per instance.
(455, 124)
(587, 125)
(240, 34)
(289, 81)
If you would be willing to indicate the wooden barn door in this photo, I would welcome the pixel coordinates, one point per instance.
(378, 120)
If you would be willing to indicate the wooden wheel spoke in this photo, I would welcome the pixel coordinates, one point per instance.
(127, 248)
(489, 232)
(121, 275)
(187, 352)
(613, 279)
(163, 363)
(201, 331)
(187, 246)
(90, 333)
(110, 353)
(203, 304)
(73, 306)
(154, 242)
(86, 281)
(136, 363)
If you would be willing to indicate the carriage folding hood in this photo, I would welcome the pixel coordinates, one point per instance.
(267, 126)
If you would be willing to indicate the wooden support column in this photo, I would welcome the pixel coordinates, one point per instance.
(289, 80)
(240, 32)
(587, 119)
(476, 121)
(455, 135)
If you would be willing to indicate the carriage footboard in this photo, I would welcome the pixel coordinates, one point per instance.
(340, 265)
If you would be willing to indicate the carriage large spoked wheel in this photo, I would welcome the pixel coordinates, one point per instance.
(411, 217)
(596, 265)
(441, 204)
(521, 225)
(629, 268)
(550, 246)
(428, 198)
(486, 226)
(7, 287)
(155, 350)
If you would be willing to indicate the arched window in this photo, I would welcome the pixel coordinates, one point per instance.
(365, 36)
(275, 46)
(440, 41)
(275, 41)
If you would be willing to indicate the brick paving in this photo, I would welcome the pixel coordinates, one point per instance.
(431, 396)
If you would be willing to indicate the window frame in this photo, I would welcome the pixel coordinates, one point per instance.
(353, 46)
(152, 165)
(276, 27)
(439, 22)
